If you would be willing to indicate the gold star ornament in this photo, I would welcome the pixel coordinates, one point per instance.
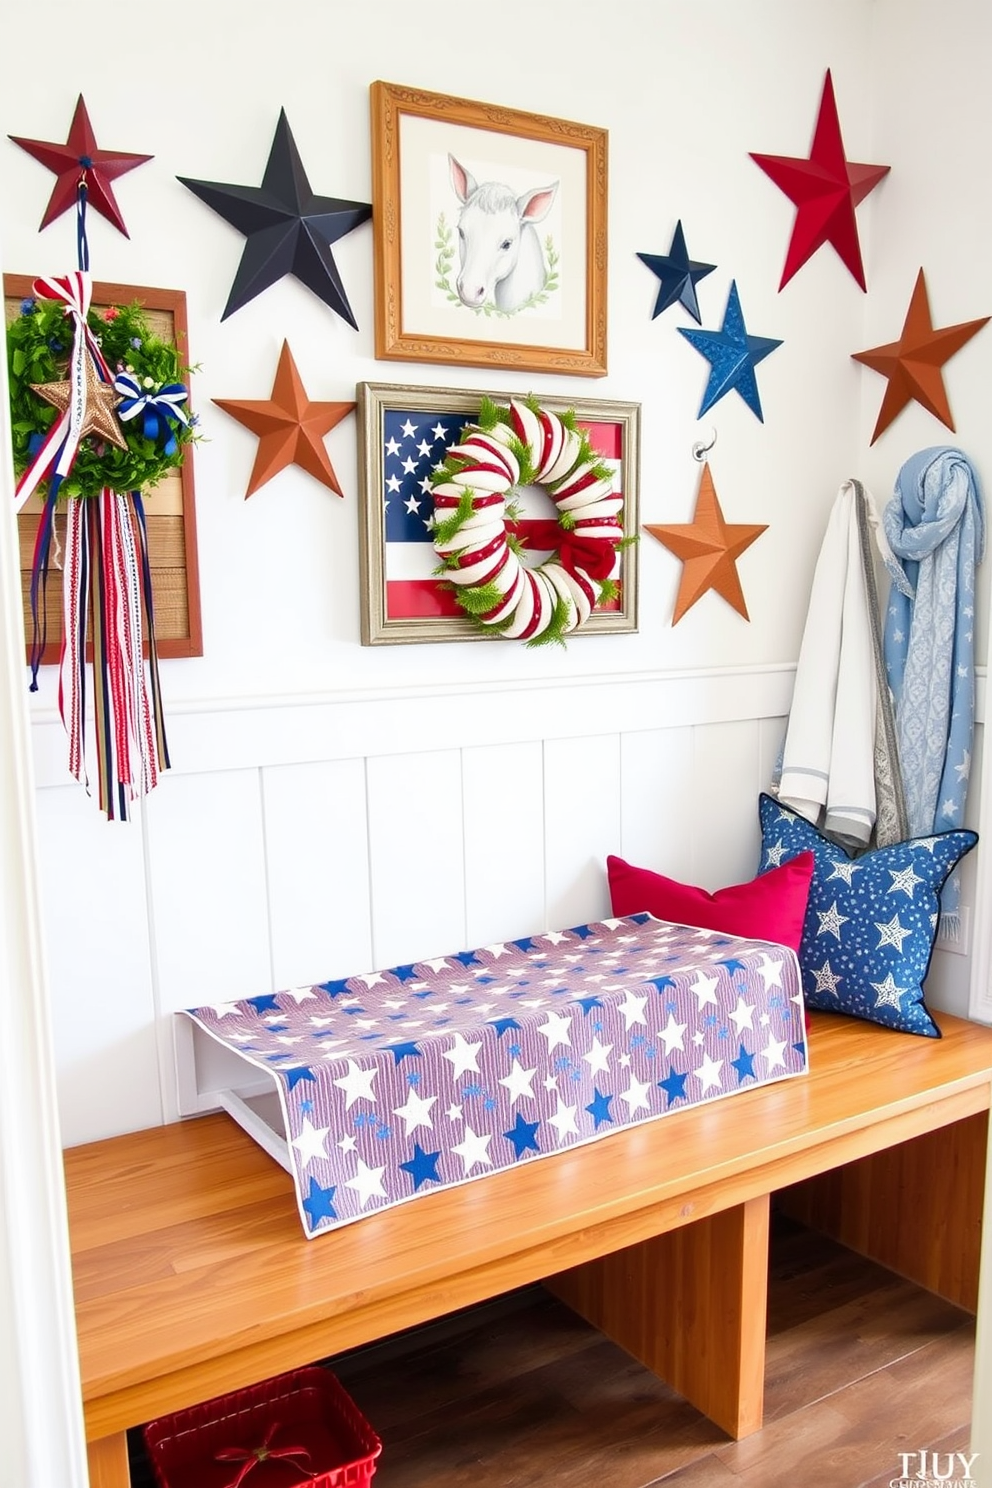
(709, 549)
(100, 401)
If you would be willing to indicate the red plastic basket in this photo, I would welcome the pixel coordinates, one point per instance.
(299, 1428)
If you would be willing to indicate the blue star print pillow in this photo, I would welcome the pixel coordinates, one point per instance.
(870, 921)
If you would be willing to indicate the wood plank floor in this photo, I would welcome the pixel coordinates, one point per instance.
(521, 1393)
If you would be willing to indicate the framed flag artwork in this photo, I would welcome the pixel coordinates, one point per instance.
(406, 433)
(490, 229)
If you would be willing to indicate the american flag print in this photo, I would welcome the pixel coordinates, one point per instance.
(414, 444)
(395, 1083)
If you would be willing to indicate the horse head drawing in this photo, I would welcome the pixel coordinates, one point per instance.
(500, 251)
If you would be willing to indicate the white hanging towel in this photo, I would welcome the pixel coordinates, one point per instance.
(828, 760)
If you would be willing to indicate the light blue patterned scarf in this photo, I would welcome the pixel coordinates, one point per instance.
(935, 527)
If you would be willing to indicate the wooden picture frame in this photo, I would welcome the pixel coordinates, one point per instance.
(170, 507)
(401, 600)
(444, 167)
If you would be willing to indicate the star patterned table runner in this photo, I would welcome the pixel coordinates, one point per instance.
(394, 1083)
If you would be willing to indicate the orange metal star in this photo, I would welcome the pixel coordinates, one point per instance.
(913, 363)
(289, 426)
(99, 418)
(709, 548)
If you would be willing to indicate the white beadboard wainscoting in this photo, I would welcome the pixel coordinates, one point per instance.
(302, 839)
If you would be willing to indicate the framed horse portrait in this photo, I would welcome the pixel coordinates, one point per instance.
(490, 230)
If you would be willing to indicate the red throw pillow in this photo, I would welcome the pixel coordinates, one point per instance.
(770, 907)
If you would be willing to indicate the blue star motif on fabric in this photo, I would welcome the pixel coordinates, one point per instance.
(639, 919)
(732, 965)
(335, 988)
(523, 1135)
(582, 931)
(403, 1051)
(524, 944)
(318, 1203)
(266, 1004)
(674, 1084)
(744, 1065)
(422, 1166)
(599, 1110)
(732, 355)
(301, 1072)
(662, 983)
(587, 1004)
(677, 274)
(503, 1025)
(404, 973)
(467, 958)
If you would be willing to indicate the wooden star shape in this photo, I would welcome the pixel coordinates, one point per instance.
(913, 363)
(80, 159)
(825, 188)
(289, 230)
(709, 548)
(99, 416)
(289, 426)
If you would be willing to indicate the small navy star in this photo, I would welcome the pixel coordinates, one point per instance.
(422, 1166)
(318, 1203)
(523, 1135)
(678, 275)
(674, 1085)
(599, 1110)
(744, 1065)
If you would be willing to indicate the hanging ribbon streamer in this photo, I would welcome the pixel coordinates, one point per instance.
(106, 574)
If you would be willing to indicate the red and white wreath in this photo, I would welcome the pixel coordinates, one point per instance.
(475, 512)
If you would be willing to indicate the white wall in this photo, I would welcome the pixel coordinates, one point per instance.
(319, 785)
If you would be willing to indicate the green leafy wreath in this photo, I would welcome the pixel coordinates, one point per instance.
(39, 341)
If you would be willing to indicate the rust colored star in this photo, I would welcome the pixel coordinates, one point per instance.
(99, 417)
(289, 426)
(709, 549)
(913, 363)
(80, 159)
(825, 189)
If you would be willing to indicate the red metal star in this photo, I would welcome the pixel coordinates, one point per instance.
(826, 188)
(79, 159)
(290, 428)
(709, 549)
(913, 363)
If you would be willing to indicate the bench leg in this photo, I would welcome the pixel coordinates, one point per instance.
(108, 1464)
(915, 1208)
(691, 1305)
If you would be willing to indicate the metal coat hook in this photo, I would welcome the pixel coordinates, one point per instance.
(701, 448)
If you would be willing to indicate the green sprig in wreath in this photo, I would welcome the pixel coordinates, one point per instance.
(39, 341)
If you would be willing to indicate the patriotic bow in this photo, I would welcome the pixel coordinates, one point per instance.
(58, 449)
(158, 410)
(250, 1457)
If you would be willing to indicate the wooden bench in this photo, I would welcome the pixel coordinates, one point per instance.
(193, 1277)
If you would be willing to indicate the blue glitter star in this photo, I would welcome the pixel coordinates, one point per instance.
(732, 355)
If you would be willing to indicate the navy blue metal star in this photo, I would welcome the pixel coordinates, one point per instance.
(422, 1166)
(318, 1203)
(678, 275)
(674, 1084)
(523, 1135)
(289, 230)
(403, 1051)
(599, 1110)
(732, 355)
(744, 1065)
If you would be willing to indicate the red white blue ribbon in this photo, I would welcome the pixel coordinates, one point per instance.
(157, 410)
